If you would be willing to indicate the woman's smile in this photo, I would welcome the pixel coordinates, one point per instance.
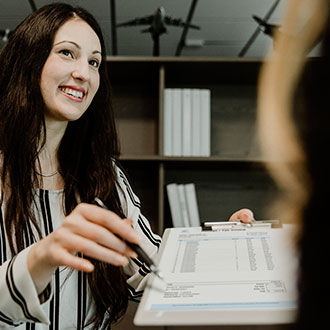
(74, 93)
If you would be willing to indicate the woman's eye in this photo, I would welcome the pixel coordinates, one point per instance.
(94, 63)
(66, 52)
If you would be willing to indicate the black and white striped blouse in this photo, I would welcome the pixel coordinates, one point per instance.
(66, 303)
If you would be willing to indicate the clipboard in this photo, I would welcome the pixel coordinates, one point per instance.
(250, 281)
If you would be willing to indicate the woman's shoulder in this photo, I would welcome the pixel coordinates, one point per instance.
(130, 199)
(120, 172)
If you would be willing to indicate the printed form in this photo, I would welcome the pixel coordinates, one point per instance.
(232, 269)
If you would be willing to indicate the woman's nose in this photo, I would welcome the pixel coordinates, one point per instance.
(81, 70)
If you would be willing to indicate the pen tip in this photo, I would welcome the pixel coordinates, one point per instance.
(156, 271)
(160, 276)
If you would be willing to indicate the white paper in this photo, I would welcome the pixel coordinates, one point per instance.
(231, 269)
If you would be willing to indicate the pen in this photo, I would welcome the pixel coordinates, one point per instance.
(143, 256)
(254, 223)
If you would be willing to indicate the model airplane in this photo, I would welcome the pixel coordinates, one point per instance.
(158, 23)
(266, 28)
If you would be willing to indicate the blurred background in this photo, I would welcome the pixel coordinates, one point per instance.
(226, 27)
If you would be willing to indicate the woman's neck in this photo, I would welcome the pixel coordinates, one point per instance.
(47, 166)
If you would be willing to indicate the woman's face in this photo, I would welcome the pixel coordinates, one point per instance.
(70, 77)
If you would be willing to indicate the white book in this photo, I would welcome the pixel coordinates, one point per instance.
(183, 205)
(205, 122)
(167, 122)
(176, 122)
(175, 207)
(191, 198)
(186, 122)
(196, 123)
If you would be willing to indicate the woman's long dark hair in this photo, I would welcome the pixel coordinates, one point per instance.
(314, 116)
(85, 154)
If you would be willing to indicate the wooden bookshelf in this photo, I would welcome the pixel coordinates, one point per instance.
(233, 176)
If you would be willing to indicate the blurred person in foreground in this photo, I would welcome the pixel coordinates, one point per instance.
(293, 123)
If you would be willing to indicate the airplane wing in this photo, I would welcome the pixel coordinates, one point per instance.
(178, 22)
(147, 30)
(137, 21)
(264, 26)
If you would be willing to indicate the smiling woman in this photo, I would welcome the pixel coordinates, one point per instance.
(59, 254)
(70, 77)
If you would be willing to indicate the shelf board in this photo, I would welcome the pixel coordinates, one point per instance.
(191, 59)
(183, 59)
(212, 159)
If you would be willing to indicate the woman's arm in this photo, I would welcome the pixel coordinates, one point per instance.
(19, 300)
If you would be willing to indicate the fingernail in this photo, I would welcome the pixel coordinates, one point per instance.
(135, 237)
(89, 267)
(122, 260)
(132, 254)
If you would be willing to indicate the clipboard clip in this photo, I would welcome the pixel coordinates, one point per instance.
(213, 226)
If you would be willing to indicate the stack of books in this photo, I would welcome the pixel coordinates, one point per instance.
(183, 205)
(187, 122)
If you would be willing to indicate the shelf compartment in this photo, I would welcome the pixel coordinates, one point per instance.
(225, 188)
(143, 179)
(135, 101)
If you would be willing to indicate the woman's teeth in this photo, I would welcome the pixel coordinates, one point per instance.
(72, 92)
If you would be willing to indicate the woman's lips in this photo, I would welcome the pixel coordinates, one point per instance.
(73, 92)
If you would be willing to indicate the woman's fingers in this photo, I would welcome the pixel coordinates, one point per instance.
(62, 251)
(75, 262)
(243, 215)
(92, 231)
(88, 229)
(91, 249)
(108, 220)
(98, 234)
(129, 221)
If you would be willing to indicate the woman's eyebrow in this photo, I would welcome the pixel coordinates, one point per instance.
(76, 45)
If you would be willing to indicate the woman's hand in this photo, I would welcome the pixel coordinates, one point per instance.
(88, 229)
(243, 215)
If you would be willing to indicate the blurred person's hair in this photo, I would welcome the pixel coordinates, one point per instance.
(293, 123)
